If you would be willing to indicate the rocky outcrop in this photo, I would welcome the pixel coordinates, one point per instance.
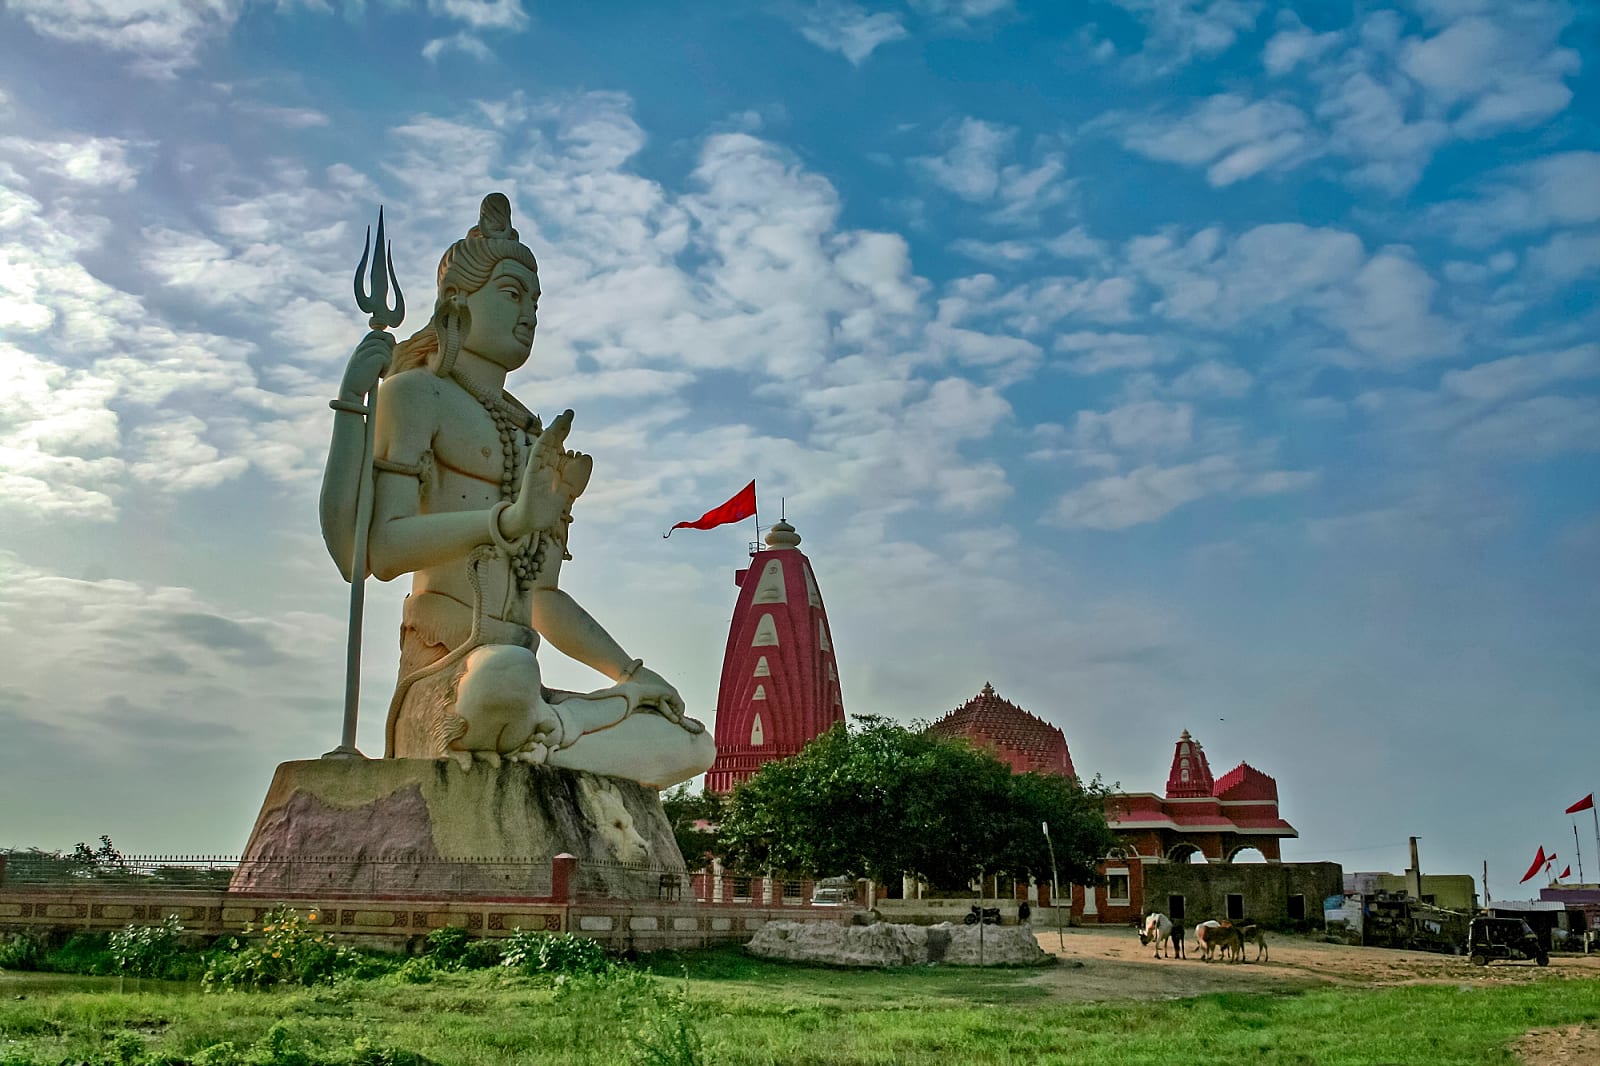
(884, 944)
(425, 826)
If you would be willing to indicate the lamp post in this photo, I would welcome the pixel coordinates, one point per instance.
(1055, 891)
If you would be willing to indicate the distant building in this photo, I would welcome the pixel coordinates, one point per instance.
(1021, 740)
(780, 680)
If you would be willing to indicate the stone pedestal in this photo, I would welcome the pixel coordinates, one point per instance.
(427, 827)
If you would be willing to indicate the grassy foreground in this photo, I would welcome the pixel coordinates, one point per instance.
(719, 1007)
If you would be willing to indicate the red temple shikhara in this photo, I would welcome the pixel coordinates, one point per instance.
(780, 681)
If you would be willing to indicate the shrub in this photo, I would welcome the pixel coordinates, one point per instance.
(481, 955)
(552, 953)
(22, 952)
(87, 953)
(146, 950)
(447, 947)
(287, 949)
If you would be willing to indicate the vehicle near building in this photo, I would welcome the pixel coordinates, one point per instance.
(1504, 938)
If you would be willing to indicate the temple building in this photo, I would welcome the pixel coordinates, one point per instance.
(780, 680)
(1021, 740)
(1216, 818)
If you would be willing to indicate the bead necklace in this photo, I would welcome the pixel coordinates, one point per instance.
(509, 417)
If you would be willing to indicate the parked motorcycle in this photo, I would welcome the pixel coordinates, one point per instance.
(989, 915)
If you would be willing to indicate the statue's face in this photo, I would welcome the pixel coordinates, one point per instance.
(504, 312)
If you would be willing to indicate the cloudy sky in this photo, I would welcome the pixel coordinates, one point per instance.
(1167, 363)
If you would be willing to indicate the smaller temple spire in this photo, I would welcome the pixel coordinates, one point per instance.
(1191, 773)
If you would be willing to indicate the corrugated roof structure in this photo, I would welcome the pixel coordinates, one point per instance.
(1023, 741)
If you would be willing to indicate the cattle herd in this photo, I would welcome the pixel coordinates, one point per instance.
(1220, 939)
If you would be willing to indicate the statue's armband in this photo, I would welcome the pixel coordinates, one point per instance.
(422, 470)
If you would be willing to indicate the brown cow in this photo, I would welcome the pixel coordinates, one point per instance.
(1214, 936)
(1251, 933)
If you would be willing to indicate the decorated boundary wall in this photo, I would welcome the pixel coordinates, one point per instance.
(397, 921)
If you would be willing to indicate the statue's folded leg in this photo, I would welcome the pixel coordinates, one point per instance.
(643, 747)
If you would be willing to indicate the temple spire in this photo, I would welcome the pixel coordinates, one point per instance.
(1191, 773)
(780, 680)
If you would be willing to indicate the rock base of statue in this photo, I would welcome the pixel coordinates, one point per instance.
(412, 827)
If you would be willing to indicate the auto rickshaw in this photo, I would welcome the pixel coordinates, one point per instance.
(1503, 938)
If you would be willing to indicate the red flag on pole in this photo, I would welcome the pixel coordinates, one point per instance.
(1582, 805)
(1565, 873)
(742, 505)
(1538, 864)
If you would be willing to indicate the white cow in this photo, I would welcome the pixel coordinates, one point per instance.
(1158, 928)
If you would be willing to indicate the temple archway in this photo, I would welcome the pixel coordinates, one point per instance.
(1246, 853)
(1186, 853)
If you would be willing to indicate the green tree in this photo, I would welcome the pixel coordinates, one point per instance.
(694, 820)
(883, 800)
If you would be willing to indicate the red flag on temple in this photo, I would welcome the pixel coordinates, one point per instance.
(1565, 873)
(742, 505)
(1582, 805)
(1538, 864)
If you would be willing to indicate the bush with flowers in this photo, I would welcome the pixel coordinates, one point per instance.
(286, 949)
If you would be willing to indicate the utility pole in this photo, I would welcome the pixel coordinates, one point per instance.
(1055, 889)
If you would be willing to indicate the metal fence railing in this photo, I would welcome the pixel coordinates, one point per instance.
(345, 875)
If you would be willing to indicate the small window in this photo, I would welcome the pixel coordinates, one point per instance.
(741, 888)
(1297, 908)
(1235, 906)
(1118, 888)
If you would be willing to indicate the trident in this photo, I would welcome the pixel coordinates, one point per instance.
(375, 302)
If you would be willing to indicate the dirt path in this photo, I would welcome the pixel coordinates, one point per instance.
(1110, 964)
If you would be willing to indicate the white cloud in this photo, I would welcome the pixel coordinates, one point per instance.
(1179, 31)
(1151, 492)
(973, 167)
(1495, 75)
(1294, 44)
(85, 161)
(161, 36)
(1494, 381)
(1567, 257)
(1145, 428)
(1562, 189)
(962, 12)
(1212, 379)
(848, 29)
(462, 42)
(483, 14)
(1232, 137)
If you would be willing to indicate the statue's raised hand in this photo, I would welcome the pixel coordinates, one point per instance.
(551, 481)
(368, 363)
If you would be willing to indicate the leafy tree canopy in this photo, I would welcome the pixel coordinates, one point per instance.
(694, 820)
(883, 800)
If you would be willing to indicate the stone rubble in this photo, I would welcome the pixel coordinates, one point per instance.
(885, 944)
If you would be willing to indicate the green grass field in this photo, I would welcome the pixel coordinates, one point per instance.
(720, 1007)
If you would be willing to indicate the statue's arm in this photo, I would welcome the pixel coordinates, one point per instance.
(559, 619)
(341, 477)
(403, 539)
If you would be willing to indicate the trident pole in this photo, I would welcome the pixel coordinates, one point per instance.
(375, 302)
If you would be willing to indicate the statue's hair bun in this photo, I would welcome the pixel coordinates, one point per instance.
(494, 219)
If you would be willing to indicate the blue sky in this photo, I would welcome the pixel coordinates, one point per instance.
(1218, 366)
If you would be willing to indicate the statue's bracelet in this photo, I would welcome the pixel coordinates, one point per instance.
(629, 670)
(495, 534)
